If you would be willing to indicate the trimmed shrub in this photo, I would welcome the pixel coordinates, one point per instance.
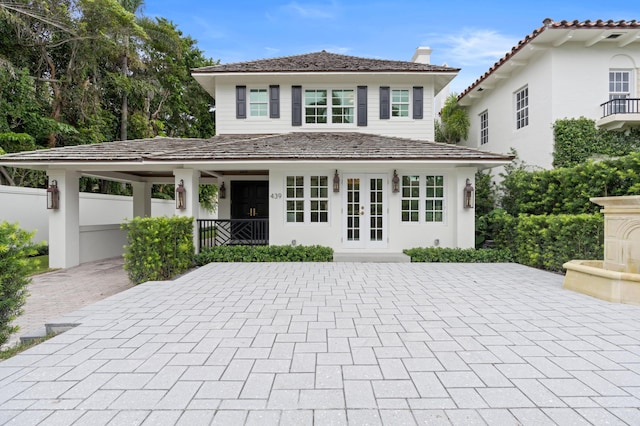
(264, 254)
(15, 249)
(457, 255)
(548, 241)
(567, 191)
(158, 248)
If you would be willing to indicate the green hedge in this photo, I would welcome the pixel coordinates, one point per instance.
(15, 250)
(457, 255)
(265, 254)
(567, 190)
(577, 140)
(548, 241)
(158, 248)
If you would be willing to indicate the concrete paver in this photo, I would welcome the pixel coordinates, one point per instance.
(54, 294)
(336, 343)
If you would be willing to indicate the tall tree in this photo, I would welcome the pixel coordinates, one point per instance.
(454, 122)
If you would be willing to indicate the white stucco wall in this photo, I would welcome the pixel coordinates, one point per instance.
(457, 230)
(569, 81)
(27, 207)
(227, 123)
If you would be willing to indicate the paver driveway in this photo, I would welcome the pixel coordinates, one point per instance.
(336, 343)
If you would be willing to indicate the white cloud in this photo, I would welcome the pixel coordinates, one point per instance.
(473, 47)
(313, 11)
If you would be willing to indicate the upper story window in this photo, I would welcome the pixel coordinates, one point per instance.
(400, 103)
(484, 127)
(317, 105)
(619, 84)
(258, 103)
(619, 88)
(522, 108)
(342, 106)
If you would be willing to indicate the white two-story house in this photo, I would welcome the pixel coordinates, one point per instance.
(565, 69)
(319, 148)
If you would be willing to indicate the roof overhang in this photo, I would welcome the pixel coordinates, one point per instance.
(551, 35)
(154, 160)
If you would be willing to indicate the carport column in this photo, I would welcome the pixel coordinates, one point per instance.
(141, 199)
(64, 223)
(191, 180)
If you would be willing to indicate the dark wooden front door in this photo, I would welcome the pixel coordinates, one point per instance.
(249, 200)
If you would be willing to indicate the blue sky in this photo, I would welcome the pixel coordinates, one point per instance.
(471, 35)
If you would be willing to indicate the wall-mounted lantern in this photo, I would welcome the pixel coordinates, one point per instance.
(336, 182)
(395, 182)
(222, 191)
(53, 196)
(468, 195)
(181, 196)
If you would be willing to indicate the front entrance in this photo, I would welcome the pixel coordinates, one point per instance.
(365, 211)
(249, 210)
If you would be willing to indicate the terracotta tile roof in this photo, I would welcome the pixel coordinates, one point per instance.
(284, 147)
(549, 24)
(323, 62)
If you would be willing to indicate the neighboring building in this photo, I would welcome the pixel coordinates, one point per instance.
(311, 149)
(561, 70)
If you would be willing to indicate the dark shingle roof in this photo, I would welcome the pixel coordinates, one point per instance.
(549, 24)
(283, 147)
(323, 62)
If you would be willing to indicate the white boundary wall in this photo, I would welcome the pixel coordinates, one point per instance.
(100, 218)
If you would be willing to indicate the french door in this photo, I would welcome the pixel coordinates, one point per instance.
(365, 211)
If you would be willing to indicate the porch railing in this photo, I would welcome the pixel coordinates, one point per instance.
(222, 232)
(621, 106)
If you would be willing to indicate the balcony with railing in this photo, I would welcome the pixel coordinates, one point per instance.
(222, 232)
(620, 114)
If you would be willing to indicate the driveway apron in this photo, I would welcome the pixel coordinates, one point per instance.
(336, 343)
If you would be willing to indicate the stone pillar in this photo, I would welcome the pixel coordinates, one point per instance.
(621, 233)
(64, 223)
(141, 199)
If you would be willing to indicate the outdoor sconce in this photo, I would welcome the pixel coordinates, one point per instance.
(395, 182)
(181, 196)
(222, 191)
(53, 196)
(468, 195)
(336, 182)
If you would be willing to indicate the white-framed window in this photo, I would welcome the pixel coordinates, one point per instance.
(410, 198)
(295, 199)
(423, 198)
(619, 88)
(522, 107)
(400, 103)
(258, 103)
(319, 198)
(318, 104)
(315, 106)
(434, 199)
(307, 199)
(484, 127)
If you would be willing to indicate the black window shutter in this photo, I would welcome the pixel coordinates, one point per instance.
(241, 101)
(385, 105)
(418, 103)
(296, 105)
(274, 101)
(362, 105)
